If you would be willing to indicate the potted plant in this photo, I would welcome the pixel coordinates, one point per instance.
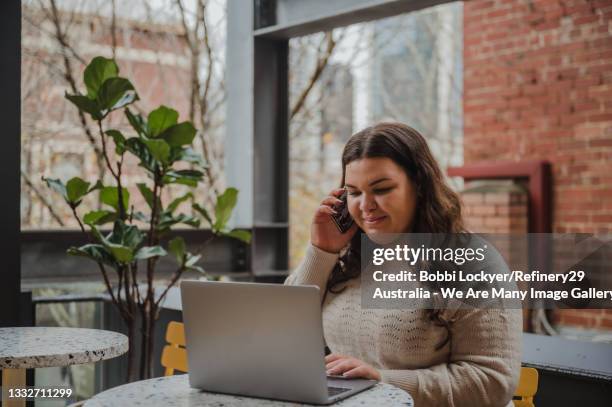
(163, 148)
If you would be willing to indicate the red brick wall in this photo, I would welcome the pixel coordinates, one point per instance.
(495, 211)
(538, 85)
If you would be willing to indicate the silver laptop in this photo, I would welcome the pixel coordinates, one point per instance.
(259, 340)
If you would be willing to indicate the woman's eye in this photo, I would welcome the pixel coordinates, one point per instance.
(353, 193)
(381, 191)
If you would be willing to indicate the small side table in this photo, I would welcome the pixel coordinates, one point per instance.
(31, 347)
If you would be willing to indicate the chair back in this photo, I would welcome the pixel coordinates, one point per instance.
(527, 387)
(174, 354)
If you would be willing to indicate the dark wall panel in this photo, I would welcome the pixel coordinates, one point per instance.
(10, 77)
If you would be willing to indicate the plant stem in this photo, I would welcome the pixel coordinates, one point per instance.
(152, 234)
(116, 174)
(104, 151)
(177, 274)
(130, 328)
(150, 339)
(76, 216)
(144, 329)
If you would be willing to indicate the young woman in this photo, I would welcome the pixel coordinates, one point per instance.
(447, 357)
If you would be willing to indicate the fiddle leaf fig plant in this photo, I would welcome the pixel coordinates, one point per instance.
(163, 147)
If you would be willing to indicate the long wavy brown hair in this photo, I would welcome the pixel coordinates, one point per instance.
(438, 206)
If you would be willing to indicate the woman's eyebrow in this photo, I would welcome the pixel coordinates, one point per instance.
(371, 183)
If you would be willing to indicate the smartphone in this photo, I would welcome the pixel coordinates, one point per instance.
(342, 218)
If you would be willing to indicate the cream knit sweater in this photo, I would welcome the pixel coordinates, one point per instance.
(479, 367)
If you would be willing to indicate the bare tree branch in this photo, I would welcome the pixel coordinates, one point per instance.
(209, 71)
(113, 28)
(69, 76)
(322, 61)
(191, 37)
(42, 198)
(195, 64)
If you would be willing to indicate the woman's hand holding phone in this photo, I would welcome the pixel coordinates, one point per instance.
(324, 233)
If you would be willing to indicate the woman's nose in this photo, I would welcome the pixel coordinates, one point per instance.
(367, 204)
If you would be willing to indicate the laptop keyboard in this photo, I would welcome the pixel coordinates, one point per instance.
(334, 391)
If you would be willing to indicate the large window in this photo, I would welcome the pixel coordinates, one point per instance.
(406, 68)
(173, 51)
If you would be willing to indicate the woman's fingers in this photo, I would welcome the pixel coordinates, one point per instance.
(327, 204)
(342, 366)
(359, 371)
(337, 192)
(322, 213)
(331, 200)
(333, 364)
(349, 367)
(333, 356)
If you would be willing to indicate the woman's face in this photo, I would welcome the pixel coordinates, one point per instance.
(381, 197)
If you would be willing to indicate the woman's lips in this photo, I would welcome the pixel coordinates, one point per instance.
(374, 220)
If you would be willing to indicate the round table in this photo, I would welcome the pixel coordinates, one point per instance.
(31, 347)
(175, 391)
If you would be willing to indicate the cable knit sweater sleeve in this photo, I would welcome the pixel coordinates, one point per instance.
(315, 269)
(483, 368)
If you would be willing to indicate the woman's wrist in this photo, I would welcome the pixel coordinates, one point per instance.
(325, 250)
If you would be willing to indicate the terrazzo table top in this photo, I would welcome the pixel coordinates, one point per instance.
(173, 391)
(33, 347)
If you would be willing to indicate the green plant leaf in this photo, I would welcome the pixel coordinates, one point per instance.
(76, 189)
(159, 149)
(147, 252)
(147, 194)
(122, 254)
(110, 196)
(179, 134)
(242, 235)
(116, 93)
(121, 242)
(160, 119)
(141, 217)
(119, 140)
(86, 105)
(184, 177)
(58, 186)
(190, 156)
(96, 252)
(197, 268)
(99, 217)
(191, 261)
(97, 72)
(224, 207)
(137, 122)
(203, 212)
(177, 246)
(98, 235)
(126, 235)
(166, 221)
(137, 147)
(97, 185)
(176, 202)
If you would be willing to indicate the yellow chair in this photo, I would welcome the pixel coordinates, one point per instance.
(174, 354)
(527, 387)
